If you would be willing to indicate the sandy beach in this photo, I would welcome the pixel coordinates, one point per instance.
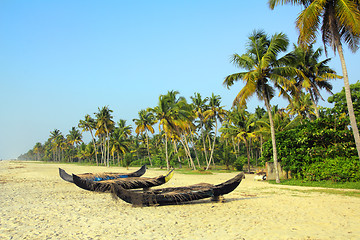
(37, 204)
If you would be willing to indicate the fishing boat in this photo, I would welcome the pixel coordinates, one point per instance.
(102, 176)
(126, 183)
(177, 195)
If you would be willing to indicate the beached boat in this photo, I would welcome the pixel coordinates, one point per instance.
(102, 176)
(177, 195)
(126, 183)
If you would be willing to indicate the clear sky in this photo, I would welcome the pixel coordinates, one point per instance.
(61, 60)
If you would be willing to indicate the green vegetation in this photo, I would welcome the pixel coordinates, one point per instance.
(314, 143)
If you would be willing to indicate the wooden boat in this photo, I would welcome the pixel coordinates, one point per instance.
(127, 183)
(102, 176)
(177, 195)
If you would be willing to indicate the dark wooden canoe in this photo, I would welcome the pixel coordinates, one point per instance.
(102, 176)
(177, 195)
(127, 183)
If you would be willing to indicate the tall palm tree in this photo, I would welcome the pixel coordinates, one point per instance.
(339, 22)
(199, 107)
(89, 124)
(240, 126)
(144, 124)
(104, 125)
(173, 115)
(38, 150)
(74, 138)
(163, 113)
(215, 113)
(315, 75)
(54, 139)
(119, 143)
(263, 68)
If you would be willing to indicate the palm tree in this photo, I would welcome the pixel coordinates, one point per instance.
(74, 137)
(144, 124)
(215, 113)
(54, 139)
(164, 115)
(104, 125)
(263, 67)
(199, 107)
(89, 124)
(38, 150)
(315, 75)
(338, 21)
(119, 142)
(173, 115)
(240, 127)
(302, 106)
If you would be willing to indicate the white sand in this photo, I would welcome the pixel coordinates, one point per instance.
(37, 204)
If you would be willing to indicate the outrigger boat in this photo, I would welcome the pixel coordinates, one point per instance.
(126, 183)
(177, 195)
(102, 176)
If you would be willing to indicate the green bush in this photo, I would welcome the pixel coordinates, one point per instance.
(239, 163)
(338, 169)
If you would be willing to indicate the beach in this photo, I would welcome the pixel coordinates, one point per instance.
(37, 204)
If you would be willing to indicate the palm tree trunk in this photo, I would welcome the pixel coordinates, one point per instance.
(213, 146)
(187, 150)
(194, 147)
(247, 153)
(273, 139)
(315, 106)
(92, 136)
(348, 100)
(166, 153)
(205, 152)
(148, 149)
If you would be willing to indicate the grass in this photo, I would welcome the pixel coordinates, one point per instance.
(323, 184)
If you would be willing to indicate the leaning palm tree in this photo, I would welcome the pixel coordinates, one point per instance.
(263, 67)
(339, 22)
(143, 124)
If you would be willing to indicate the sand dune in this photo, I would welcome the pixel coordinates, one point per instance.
(37, 204)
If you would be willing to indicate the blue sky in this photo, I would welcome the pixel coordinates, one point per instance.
(61, 60)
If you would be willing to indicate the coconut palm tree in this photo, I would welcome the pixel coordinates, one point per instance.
(339, 22)
(199, 107)
(164, 114)
(173, 115)
(263, 67)
(119, 142)
(215, 113)
(104, 125)
(89, 124)
(315, 75)
(302, 106)
(54, 139)
(144, 124)
(240, 127)
(74, 138)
